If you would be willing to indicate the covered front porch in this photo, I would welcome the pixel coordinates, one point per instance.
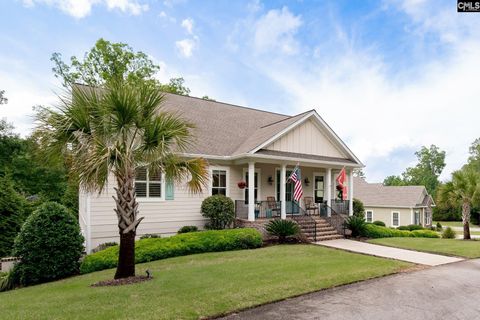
(273, 196)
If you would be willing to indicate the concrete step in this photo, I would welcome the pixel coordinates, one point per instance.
(330, 237)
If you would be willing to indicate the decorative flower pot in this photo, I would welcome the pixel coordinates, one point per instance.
(242, 184)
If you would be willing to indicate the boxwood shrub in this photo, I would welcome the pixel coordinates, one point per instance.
(178, 245)
(374, 231)
(411, 227)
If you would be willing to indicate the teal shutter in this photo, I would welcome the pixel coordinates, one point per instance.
(169, 190)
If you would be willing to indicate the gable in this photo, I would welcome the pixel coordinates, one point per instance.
(307, 138)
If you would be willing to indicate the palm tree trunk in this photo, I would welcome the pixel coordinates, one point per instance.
(466, 220)
(126, 209)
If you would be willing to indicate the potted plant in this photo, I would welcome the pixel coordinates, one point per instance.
(242, 184)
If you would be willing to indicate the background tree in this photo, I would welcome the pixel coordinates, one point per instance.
(3, 99)
(113, 62)
(358, 172)
(118, 131)
(463, 191)
(474, 158)
(431, 162)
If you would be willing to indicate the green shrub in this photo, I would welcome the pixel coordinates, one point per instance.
(186, 229)
(282, 229)
(374, 231)
(178, 245)
(425, 234)
(356, 224)
(12, 215)
(49, 245)
(411, 227)
(219, 210)
(379, 223)
(7, 281)
(358, 208)
(104, 246)
(439, 226)
(150, 236)
(449, 233)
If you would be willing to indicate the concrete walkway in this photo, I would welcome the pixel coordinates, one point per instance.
(389, 252)
(446, 292)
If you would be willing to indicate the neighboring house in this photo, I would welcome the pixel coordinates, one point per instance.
(241, 144)
(394, 205)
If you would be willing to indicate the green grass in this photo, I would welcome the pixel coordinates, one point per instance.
(461, 248)
(452, 224)
(199, 285)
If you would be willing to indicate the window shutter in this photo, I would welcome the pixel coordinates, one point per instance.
(169, 189)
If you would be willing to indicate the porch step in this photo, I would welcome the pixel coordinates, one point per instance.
(315, 224)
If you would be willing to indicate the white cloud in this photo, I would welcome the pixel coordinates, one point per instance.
(82, 8)
(185, 47)
(276, 30)
(188, 25)
(378, 112)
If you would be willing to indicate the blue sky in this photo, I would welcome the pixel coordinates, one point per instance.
(388, 76)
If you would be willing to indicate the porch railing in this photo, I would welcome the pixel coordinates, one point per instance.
(340, 206)
(263, 209)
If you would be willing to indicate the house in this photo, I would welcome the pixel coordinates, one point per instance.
(241, 144)
(394, 205)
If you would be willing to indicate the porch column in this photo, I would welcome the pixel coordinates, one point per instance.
(350, 192)
(329, 191)
(283, 204)
(251, 191)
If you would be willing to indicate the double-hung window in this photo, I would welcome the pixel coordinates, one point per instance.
(369, 216)
(148, 184)
(219, 182)
(395, 218)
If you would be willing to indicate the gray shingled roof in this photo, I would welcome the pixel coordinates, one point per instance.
(376, 194)
(224, 129)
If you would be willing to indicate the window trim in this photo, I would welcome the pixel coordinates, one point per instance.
(366, 216)
(258, 171)
(227, 179)
(396, 226)
(152, 199)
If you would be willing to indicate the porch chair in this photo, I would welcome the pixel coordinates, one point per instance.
(310, 205)
(272, 207)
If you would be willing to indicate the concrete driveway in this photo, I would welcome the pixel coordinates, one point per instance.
(445, 292)
(424, 258)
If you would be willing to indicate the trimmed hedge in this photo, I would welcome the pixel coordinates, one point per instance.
(411, 227)
(379, 223)
(374, 231)
(179, 245)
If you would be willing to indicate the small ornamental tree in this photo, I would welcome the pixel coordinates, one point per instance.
(220, 210)
(358, 208)
(49, 245)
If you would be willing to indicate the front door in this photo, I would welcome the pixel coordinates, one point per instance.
(290, 207)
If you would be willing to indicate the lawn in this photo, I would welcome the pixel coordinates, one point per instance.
(461, 248)
(453, 224)
(199, 285)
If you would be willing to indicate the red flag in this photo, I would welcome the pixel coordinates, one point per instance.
(342, 177)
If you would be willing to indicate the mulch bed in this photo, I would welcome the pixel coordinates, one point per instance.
(121, 282)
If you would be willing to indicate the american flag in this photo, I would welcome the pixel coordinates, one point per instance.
(297, 180)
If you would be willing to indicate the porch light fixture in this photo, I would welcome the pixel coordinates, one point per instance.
(270, 180)
(307, 182)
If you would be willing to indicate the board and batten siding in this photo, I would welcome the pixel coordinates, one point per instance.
(306, 138)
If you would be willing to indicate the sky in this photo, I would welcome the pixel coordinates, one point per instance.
(388, 76)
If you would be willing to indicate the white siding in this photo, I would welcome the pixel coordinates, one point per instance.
(307, 138)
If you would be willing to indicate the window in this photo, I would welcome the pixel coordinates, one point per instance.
(319, 188)
(148, 184)
(369, 216)
(395, 219)
(417, 217)
(246, 188)
(219, 182)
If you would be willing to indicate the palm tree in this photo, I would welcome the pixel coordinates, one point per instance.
(116, 130)
(464, 190)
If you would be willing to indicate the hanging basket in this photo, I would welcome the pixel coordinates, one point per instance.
(242, 184)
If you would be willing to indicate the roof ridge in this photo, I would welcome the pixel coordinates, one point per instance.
(207, 100)
(275, 122)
